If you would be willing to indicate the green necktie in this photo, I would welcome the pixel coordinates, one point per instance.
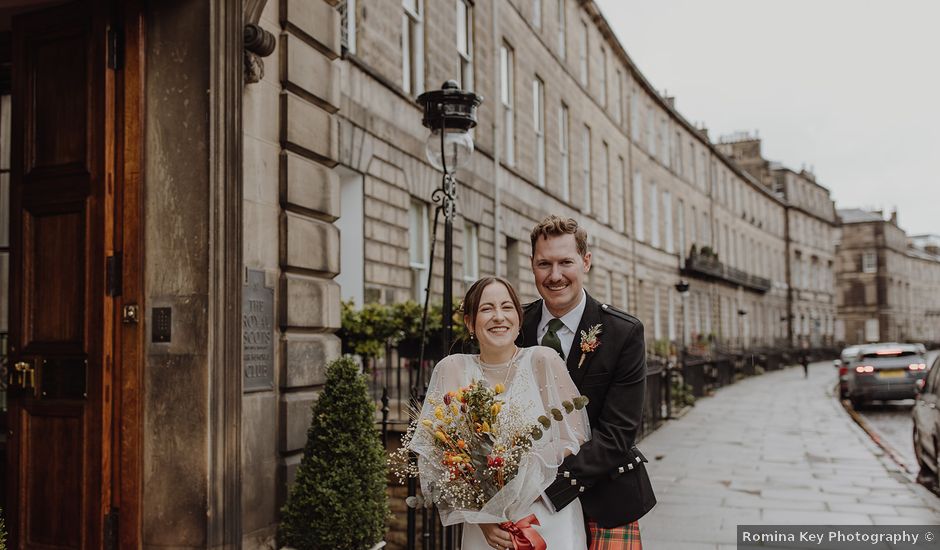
(551, 338)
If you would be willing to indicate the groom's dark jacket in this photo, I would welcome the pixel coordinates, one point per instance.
(608, 473)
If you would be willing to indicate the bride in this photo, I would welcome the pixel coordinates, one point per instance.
(535, 380)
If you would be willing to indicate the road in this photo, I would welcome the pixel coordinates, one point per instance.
(892, 423)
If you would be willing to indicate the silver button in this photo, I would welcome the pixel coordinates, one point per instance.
(566, 474)
(574, 481)
(637, 460)
(581, 489)
(630, 466)
(620, 469)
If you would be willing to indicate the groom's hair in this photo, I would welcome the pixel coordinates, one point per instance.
(556, 226)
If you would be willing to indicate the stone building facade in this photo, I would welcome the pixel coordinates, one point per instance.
(888, 283)
(568, 126)
(811, 229)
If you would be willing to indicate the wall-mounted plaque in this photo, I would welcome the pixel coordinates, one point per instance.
(257, 333)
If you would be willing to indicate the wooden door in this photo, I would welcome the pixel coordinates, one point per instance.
(61, 313)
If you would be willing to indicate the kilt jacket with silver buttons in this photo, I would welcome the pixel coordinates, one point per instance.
(608, 473)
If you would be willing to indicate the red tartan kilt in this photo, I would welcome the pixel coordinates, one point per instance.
(625, 537)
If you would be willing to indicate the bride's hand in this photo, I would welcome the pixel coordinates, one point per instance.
(496, 536)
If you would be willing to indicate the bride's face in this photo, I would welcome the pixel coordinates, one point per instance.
(497, 321)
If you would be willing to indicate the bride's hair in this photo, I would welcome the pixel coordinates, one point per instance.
(471, 302)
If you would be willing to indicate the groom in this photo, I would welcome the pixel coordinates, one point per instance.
(609, 367)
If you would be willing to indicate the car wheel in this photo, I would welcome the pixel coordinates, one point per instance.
(924, 475)
(856, 402)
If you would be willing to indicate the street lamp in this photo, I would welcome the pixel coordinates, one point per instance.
(449, 113)
(682, 287)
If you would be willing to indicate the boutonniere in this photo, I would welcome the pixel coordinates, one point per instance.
(589, 342)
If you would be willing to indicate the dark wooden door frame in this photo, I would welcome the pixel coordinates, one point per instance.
(127, 436)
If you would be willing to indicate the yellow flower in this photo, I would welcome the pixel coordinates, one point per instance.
(485, 427)
(499, 388)
(441, 435)
(427, 423)
(439, 412)
(494, 410)
(453, 407)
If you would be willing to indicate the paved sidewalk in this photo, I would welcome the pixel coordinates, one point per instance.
(771, 449)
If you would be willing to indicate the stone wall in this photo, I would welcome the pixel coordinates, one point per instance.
(291, 198)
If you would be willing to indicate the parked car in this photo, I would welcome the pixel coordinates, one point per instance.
(882, 372)
(842, 363)
(926, 415)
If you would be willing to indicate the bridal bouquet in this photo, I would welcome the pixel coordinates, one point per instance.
(475, 444)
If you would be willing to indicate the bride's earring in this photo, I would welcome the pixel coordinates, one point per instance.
(472, 335)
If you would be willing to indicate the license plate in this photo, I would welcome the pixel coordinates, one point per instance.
(891, 374)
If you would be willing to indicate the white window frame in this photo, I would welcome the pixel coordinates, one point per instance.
(412, 47)
(621, 194)
(870, 262)
(584, 72)
(654, 215)
(564, 151)
(671, 315)
(419, 248)
(537, 14)
(586, 167)
(465, 43)
(603, 97)
(680, 230)
(670, 244)
(618, 111)
(471, 252)
(506, 73)
(348, 12)
(605, 183)
(538, 124)
(638, 221)
(562, 30)
(635, 116)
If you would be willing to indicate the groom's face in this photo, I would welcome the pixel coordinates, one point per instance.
(559, 272)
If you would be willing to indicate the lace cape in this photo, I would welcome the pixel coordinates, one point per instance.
(538, 382)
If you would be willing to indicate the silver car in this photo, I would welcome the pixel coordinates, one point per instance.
(926, 416)
(880, 372)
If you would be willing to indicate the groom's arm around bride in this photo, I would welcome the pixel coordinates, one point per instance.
(608, 473)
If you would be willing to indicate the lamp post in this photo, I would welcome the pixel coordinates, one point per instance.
(682, 287)
(449, 113)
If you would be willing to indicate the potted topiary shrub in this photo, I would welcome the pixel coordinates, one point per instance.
(338, 500)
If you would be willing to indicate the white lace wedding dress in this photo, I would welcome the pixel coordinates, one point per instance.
(536, 381)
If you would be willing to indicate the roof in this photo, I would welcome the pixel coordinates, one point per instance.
(857, 215)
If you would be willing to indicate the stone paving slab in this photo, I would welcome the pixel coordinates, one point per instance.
(772, 449)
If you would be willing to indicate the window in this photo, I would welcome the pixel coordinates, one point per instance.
(605, 183)
(562, 49)
(618, 98)
(620, 203)
(471, 252)
(465, 44)
(638, 206)
(680, 222)
(412, 47)
(667, 219)
(624, 293)
(512, 261)
(538, 123)
(671, 315)
(583, 53)
(347, 12)
(634, 117)
(657, 320)
(603, 96)
(506, 96)
(418, 247)
(563, 151)
(537, 14)
(654, 215)
(693, 227)
(586, 167)
(869, 262)
(650, 132)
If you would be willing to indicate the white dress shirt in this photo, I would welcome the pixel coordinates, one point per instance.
(571, 320)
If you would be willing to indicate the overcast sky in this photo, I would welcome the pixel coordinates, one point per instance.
(850, 87)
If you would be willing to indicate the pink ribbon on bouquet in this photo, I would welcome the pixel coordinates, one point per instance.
(524, 537)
